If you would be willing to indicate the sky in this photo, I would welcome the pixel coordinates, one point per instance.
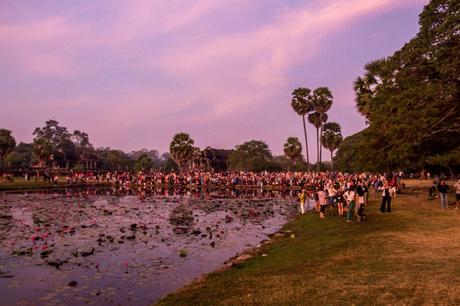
(133, 73)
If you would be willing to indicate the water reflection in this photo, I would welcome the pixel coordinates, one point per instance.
(229, 193)
(122, 246)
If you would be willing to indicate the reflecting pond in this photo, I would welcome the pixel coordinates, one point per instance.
(102, 246)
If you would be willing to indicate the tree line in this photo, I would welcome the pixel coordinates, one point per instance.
(55, 147)
(411, 101)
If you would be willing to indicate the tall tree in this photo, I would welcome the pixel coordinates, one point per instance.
(376, 77)
(7, 144)
(21, 156)
(84, 150)
(322, 102)
(42, 149)
(293, 149)
(64, 150)
(112, 159)
(252, 155)
(331, 137)
(317, 119)
(144, 162)
(411, 99)
(302, 104)
(181, 149)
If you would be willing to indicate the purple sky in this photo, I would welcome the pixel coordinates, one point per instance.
(133, 73)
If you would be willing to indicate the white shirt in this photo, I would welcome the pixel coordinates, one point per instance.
(350, 195)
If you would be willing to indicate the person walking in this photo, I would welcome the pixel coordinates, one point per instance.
(442, 189)
(386, 198)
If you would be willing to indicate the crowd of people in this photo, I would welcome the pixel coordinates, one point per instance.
(347, 193)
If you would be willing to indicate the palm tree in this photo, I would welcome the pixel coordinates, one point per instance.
(378, 75)
(302, 104)
(363, 96)
(181, 149)
(317, 119)
(331, 138)
(322, 102)
(293, 149)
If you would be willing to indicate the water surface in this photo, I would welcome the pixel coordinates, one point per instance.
(118, 247)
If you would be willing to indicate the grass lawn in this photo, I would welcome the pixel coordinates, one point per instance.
(408, 257)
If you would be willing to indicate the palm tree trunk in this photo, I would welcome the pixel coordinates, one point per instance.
(320, 144)
(3, 164)
(317, 149)
(332, 163)
(306, 142)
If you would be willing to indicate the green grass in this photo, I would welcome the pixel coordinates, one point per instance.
(411, 256)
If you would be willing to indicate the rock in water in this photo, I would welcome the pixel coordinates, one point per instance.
(87, 252)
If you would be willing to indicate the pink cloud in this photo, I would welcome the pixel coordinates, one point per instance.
(47, 30)
(260, 59)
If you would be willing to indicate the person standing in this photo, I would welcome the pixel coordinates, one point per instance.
(322, 202)
(376, 185)
(350, 198)
(457, 194)
(386, 198)
(340, 201)
(302, 197)
(331, 195)
(317, 205)
(359, 210)
(442, 189)
(366, 192)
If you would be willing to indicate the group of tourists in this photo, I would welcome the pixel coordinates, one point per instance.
(275, 180)
(349, 195)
